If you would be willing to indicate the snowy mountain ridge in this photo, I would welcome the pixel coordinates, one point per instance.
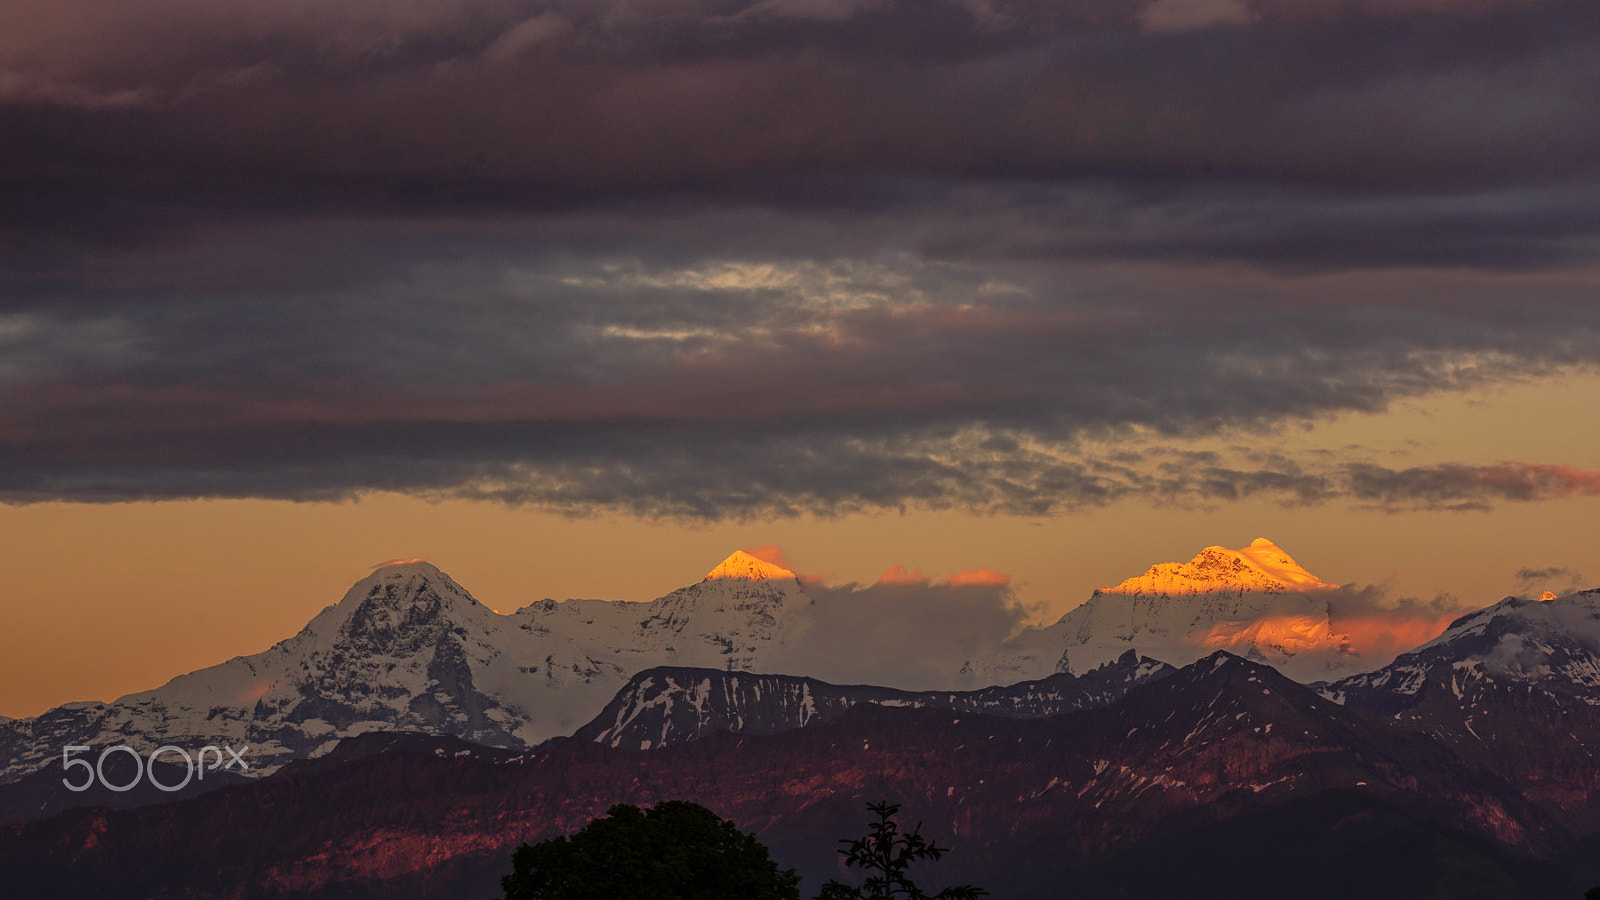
(1552, 643)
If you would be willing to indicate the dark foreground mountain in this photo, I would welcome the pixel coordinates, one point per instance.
(1222, 780)
(664, 706)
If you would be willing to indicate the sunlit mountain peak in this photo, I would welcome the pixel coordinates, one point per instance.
(1262, 566)
(749, 568)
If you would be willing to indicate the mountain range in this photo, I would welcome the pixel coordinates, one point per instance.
(409, 649)
(412, 737)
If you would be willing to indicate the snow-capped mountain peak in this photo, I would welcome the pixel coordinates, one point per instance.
(1260, 567)
(748, 567)
(396, 595)
(410, 582)
(1256, 602)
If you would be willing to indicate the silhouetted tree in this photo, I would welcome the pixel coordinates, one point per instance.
(887, 853)
(673, 851)
(1592, 893)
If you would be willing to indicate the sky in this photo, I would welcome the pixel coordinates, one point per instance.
(576, 297)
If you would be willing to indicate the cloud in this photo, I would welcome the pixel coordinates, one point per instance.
(1556, 579)
(1188, 15)
(1468, 487)
(397, 561)
(984, 575)
(626, 366)
(905, 632)
(1531, 575)
(525, 35)
(909, 630)
(391, 105)
(769, 553)
(1381, 626)
(898, 574)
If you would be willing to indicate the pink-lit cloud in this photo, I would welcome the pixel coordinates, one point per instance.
(984, 575)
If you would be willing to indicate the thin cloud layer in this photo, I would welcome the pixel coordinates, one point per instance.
(902, 631)
(736, 259)
(1457, 486)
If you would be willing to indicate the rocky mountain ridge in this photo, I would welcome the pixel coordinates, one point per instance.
(663, 707)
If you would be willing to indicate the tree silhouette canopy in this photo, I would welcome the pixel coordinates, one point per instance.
(675, 850)
(887, 853)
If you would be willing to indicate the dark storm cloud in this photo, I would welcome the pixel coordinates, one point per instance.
(729, 258)
(480, 101)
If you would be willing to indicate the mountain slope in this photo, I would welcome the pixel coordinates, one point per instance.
(1552, 643)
